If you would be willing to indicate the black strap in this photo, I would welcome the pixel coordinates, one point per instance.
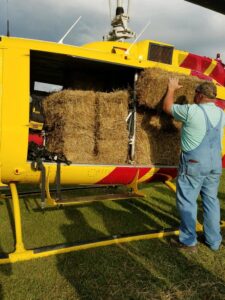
(38, 154)
(58, 182)
(43, 182)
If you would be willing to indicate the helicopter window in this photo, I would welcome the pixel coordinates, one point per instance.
(46, 87)
(160, 53)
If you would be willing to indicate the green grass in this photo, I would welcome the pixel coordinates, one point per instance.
(150, 269)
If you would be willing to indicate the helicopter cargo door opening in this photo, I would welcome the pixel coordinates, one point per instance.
(85, 78)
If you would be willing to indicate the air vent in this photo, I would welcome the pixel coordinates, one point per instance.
(160, 53)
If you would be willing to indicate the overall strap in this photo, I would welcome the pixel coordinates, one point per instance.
(208, 123)
(218, 125)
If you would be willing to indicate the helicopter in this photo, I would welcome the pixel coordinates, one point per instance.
(24, 63)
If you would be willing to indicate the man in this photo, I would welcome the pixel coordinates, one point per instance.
(200, 162)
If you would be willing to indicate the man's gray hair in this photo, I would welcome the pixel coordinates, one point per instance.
(207, 88)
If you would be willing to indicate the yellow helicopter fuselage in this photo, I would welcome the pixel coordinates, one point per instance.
(23, 61)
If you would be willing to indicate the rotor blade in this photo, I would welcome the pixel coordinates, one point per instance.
(218, 6)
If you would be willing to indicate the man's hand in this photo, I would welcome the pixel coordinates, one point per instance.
(173, 85)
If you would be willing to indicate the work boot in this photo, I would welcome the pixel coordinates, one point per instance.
(184, 248)
(202, 240)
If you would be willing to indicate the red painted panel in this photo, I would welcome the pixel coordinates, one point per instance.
(199, 64)
(169, 171)
(218, 73)
(220, 103)
(163, 174)
(206, 61)
(123, 175)
(36, 138)
(223, 162)
(191, 62)
(196, 63)
(201, 75)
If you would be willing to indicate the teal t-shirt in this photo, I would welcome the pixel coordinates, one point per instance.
(194, 125)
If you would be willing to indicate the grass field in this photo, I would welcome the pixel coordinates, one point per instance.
(150, 269)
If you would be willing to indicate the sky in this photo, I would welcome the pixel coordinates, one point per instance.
(186, 26)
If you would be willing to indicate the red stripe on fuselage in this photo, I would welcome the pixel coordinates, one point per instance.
(218, 73)
(196, 63)
(201, 75)
(123, 175)
(199, 64)
(223, 162)
(220, 103)
(164, 174)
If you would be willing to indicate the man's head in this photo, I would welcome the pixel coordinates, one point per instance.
(205, 92)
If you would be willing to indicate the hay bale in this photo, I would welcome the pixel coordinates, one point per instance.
(70, 119)
(157, 139)
(111, 127)
(88, 127)
(152, 86)
(158, 135)
(143, 141)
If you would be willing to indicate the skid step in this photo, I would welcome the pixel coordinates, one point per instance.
(86, 199)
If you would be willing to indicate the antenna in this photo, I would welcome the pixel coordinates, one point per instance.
(7, 16)
(128, 8)
(74, 24)
(140, 34)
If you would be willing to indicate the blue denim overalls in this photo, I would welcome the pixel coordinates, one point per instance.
(199, 172)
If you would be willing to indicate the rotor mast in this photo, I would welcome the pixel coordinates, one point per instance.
(119, 23)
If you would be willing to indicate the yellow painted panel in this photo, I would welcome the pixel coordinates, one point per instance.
(1, 93)
(73, 174)
(211, 67)
(223, 145)
(181, 56)
(1, 70)
(148, 175)
(220, 92)
(15, 110)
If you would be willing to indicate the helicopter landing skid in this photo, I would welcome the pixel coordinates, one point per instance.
(23, 254)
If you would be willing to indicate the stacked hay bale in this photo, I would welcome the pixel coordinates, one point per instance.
(111, 131)
(157, 139)
(143, 150)
(88, 127)
(158, 135)
(152, 87)
(70, 119)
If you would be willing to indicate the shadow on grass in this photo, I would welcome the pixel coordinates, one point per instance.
(5, 271)
(106, 273)
(167, 218)
(149, 269)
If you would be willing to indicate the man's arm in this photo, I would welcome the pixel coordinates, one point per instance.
(173, 85)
